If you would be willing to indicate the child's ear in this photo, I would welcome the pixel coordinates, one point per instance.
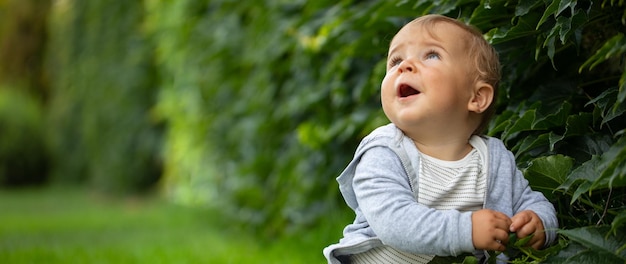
(481, 98)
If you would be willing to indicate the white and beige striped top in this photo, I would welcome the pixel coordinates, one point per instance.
(443, 185)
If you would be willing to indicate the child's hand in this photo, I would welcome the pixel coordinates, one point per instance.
(526, 223)
(490, 230)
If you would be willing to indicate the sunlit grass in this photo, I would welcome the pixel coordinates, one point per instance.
(76, 226)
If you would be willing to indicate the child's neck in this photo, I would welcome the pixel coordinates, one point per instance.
(448, 150)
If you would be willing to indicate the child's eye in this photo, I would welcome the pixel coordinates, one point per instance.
(432, 55)
(394, 61)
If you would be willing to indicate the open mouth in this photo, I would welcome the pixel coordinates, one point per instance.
(406, 91)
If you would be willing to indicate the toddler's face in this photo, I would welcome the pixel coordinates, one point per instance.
(428, 83)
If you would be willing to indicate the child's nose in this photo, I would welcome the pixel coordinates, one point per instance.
(406, 66)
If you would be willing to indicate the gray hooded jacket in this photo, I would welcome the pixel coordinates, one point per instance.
(386, 188)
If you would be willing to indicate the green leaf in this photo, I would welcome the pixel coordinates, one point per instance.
(524, 6)
(578, 124)
(533, 120)
(564, 5)
(605, 171)
(529, 143)
(599, 241)
(521, 242)
(512, 248)
(603, 100)
(574, 126)
(590, 145)
(555, 9)
(501, 122)
(524, 27)
(576, 23)
(524, 123)
(585, 174)
(538, 47)
(564, 24)
(548, 173)
(614, 47)
(616, 110)
(516, 246)
(562, 251)
(550, 10)
(590, 256)
(607, 105)
(613, 165)
(622, 88)
(555, 138)
(550, 43)
(582, 188)
(618, 222)
(555, 118)
(485, 15)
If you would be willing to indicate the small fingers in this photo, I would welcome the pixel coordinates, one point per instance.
(530, 225)
(502, 221)
(501, 234)
(526, 230)
(490, 229)
(498, 246)
(537, 244)
(501, 216)
(519, 220)
(501, 239)
(538, 240)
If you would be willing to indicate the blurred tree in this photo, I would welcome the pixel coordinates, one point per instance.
(23, 154)
(102, 131)
(23, 88)
(23, 35)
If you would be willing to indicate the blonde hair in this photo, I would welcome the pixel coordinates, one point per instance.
(485, 58)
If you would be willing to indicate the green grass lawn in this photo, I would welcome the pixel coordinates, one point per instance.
(57, 225)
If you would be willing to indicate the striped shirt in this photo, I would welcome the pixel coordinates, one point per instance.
(443, 185)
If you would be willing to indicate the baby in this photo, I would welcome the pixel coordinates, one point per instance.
(429, 184)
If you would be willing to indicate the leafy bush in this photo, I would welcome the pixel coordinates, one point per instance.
(562, 115)
(23, 154)
(103, 88)
(22, 40)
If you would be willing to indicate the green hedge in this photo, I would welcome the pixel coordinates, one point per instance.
(23, 86)
(23, 152)
(103, 87)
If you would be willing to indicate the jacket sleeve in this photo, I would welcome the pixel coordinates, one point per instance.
(385, 198)
(510, 184)
(527, 199)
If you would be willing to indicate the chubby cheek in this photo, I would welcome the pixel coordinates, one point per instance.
(386, 89)
(387, 94)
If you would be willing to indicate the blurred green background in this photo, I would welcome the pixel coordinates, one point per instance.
(222, 124)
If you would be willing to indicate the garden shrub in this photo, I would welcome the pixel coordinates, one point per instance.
(102, 91)
(23, 36)
(23, 153)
